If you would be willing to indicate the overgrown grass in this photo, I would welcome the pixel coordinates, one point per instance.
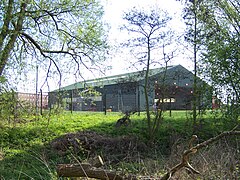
(24, 149)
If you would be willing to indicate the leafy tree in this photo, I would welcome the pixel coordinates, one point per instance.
(191, 12)
(221, 55)
(149, 35)
(64, 34)
(217, 33)
(8, 106)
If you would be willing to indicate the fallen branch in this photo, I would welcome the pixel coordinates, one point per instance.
(86, 170)
(90, 170)
(80, 170)
(192, 150)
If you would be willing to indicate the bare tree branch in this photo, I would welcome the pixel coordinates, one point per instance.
(192, 150)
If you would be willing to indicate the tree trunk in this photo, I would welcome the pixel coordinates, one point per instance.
(5, 51)
(195, 69)
(146, 91)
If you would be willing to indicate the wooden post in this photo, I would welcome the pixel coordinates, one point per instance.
(105, 103)
(71, 101)
(41, 110)
(170, 109)
(138, 99)
(36, 95)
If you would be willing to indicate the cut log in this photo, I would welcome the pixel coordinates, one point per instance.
(86, 170)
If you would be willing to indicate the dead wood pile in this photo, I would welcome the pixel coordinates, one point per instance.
(83, 170)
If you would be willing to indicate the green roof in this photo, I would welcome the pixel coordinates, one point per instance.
(110, 80)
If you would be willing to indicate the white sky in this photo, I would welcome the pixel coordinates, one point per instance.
(114, 10)
(113, 16)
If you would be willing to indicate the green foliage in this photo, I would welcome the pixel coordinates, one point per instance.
(61, 36)
(221, 51)
(89, 95)
(25, 151)
(213, 27)
(12, 110)
(8, 106)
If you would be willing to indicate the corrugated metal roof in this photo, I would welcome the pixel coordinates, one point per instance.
(110, 80)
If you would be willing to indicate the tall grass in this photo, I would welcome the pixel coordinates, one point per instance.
(25, 151)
